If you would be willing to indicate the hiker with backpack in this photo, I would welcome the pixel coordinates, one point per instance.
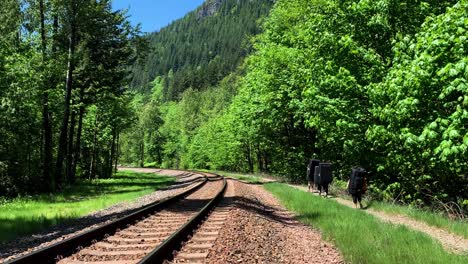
(310, 173)
(325, 177)
(357, 185)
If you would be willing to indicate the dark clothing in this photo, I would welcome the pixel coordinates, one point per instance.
(357, 194)
(357, 197)
(310, 169)
(325, 188)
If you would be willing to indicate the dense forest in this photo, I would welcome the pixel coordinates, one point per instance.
(238, 85)
(64, 66)
(200, 49)
(378, 84)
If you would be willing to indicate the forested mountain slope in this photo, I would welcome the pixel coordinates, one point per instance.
(203, 47)
(376, 84)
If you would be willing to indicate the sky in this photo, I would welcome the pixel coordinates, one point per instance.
(155, 14)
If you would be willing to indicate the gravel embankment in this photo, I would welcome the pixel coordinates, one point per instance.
(57, 233)
(260, 230)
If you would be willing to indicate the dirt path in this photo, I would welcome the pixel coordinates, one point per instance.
(449, 241)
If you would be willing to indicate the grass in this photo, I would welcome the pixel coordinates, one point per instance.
(361, 237)
(431, 218)
(243, 177)
(459, 227)
(27, 215)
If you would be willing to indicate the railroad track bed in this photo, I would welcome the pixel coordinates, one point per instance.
(219, 221)
(27, 244)
(136, 241)
(98, 243)
(260, 230)
(196, 250)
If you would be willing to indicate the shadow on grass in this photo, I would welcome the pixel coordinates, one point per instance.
(20, 226)
(250, 181)
(89, 190)
(140, 178)
(308, 216)
(368, 205)
(14, 232)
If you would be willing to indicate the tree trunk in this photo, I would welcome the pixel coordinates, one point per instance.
(117, 153)
(142, 152)
(55, 32)
(249, 157)
(77, 156)
(259, 158)
(62, 149)
(159, 156)
(112, 154)
(92, 165)
(71, 149)
(48, 180)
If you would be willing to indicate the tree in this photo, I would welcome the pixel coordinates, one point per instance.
(77, 50)
(421, 111)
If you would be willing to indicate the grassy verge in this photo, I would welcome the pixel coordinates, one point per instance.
(359, 236)
(243, 177)
(459, 227)
(430, 218)
(28, 215)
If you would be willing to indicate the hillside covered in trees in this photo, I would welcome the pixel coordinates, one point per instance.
(203, 47)
(377, 84)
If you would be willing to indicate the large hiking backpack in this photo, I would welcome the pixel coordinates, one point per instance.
(311, 168)
(357, 180)
(326, 176)
(317, 176)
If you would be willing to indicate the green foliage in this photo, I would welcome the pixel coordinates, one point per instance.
(173, 134)
(317, 82)
(35, 63)
(19, 117)
(378, 84)
(421, 110)
(202, 48)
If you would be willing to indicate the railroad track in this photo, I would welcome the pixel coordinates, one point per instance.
(197, 248)
(150, 235)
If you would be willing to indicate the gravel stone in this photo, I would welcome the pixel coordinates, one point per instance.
(260, 230)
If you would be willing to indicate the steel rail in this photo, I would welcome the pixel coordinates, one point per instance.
(68, 246)
(165, 250)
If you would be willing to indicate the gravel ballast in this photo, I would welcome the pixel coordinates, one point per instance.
(260, 230)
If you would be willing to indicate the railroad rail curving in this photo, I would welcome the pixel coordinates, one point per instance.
(163, 251)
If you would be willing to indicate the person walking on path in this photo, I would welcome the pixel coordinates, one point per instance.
(325, 177)
(357, 185)
(310, 173)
